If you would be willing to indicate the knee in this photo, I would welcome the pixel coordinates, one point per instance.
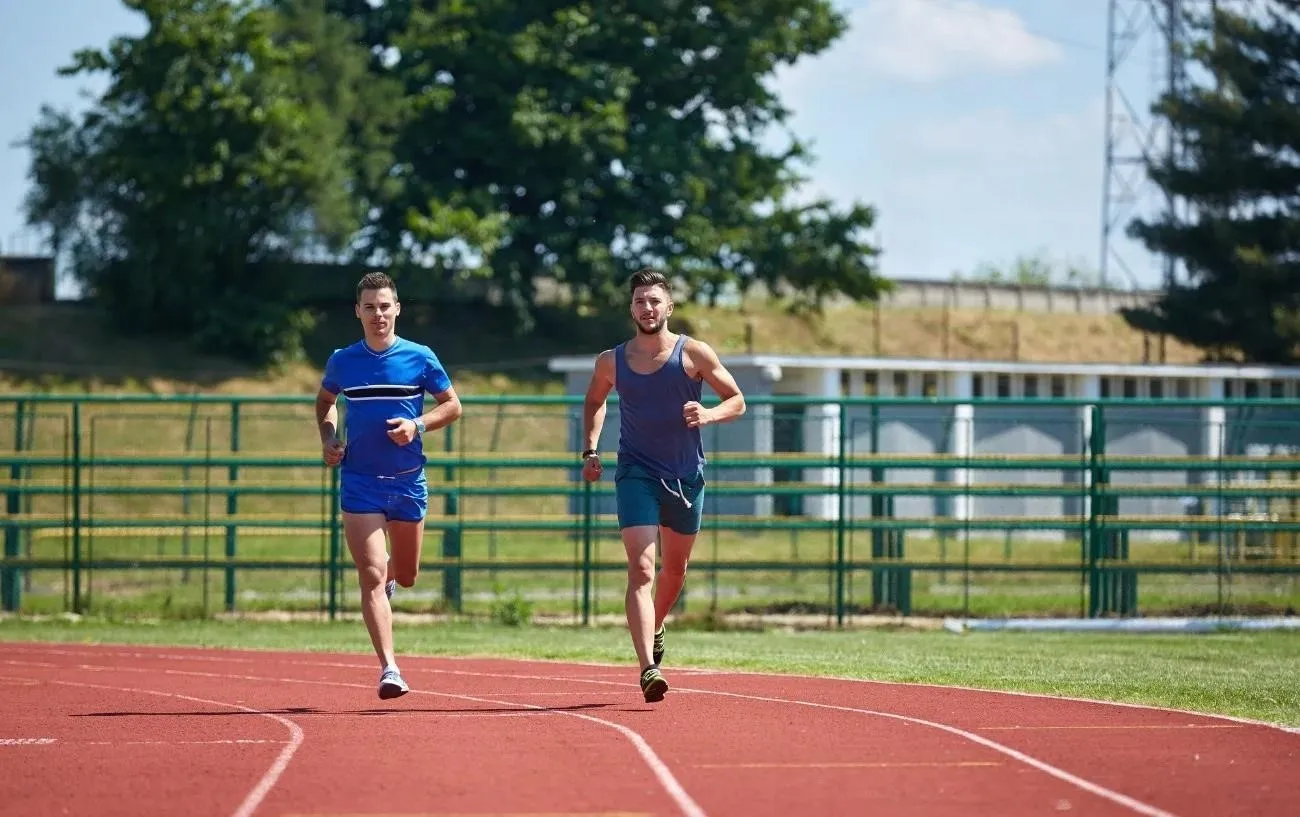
(406, 578)
(675, 567)
(641, 572)
(371, 576)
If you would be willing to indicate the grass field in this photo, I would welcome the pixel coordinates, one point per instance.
(1248, 675)
(805, 585)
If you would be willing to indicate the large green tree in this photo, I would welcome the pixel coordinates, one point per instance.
(577, 141)
(232, 136)
(1237, 173)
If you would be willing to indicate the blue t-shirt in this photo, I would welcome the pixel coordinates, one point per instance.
(379, 386)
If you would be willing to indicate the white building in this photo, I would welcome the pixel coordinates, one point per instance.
(965, 422)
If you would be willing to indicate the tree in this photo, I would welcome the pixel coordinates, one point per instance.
(578, 141)
(1238, 173)
(232, 136)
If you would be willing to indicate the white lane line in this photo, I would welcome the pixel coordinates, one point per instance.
(119, 649)
(267, 781)
(1067, 777)
(660, 769)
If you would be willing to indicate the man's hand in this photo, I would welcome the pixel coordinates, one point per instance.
(332, 451)
(591, 468)
(696, 415)
(401, 430)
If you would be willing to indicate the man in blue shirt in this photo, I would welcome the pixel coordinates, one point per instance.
(382, 488)
(659, 483)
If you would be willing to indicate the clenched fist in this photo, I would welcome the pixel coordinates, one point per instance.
(696, 415)
(591, 468)
(402, 431)
(332, 451)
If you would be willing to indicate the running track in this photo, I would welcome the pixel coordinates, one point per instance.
(141, 731)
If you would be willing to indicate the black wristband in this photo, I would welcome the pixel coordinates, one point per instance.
(590, 452)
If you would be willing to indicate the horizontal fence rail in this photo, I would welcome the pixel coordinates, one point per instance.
(822, 507)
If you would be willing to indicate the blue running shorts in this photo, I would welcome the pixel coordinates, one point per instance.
(646, 500)
(403, 498)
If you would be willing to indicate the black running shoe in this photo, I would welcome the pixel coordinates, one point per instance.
(653, 685)
(658, 652)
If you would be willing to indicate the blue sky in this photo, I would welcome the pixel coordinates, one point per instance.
(976, 127)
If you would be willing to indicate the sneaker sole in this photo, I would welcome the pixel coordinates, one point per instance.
(655, 690)
(389, 691)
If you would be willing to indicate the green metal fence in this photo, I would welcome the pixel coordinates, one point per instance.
(200, 505)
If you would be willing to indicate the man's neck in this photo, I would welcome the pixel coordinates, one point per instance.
(653, 344)
(381, 343)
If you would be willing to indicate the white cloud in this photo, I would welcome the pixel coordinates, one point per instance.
(930, 40)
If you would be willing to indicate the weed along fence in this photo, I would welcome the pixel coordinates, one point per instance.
(831, 508)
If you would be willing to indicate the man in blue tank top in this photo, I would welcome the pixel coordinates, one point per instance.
(382, 489)
(659, 481)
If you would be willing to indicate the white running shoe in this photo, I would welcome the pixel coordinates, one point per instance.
(391, 685)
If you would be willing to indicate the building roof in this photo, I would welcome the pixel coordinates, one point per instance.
(584, 363)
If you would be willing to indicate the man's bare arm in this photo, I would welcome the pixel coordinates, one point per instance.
(593, 407)
(327, 415)
(720, 379)
(447, 411)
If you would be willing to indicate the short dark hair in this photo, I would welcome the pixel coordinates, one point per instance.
(375, 280)
(647, 277)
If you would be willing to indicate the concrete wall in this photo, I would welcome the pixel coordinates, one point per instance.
(1049, 431)
(1011, 297)
(900, 430)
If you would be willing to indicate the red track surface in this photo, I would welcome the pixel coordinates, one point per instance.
(141, 731)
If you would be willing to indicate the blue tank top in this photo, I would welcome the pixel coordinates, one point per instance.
(652, 431)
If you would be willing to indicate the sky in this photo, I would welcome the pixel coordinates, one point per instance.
(976, 128)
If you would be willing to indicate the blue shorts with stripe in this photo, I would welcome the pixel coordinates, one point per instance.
(401, 498)
(646, 500)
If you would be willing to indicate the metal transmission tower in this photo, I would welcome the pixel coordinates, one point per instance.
(1145, 57)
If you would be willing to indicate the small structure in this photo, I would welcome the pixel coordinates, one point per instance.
(26, 280)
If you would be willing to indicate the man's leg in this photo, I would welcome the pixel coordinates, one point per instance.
(406, 532)
(407, 541)
(365, 537)
(639, 543)
(682, 516)
(675, 555)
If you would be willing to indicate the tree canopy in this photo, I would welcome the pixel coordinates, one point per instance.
(497, 143)
(1237, 173)
(231, 136)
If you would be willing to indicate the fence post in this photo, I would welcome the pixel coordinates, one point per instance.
(334, 544)
(1096, 532)
(232, 507)
(586, 552)
(451, 590)
(842, 513)
(76, 507)
(11, 586)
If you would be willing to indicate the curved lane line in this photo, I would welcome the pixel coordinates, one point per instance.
(272, 775)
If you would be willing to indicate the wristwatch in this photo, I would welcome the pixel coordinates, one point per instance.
(590, 452)
(419, 426)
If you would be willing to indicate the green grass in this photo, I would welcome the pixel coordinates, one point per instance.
(557, 592)
(1248, 675)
